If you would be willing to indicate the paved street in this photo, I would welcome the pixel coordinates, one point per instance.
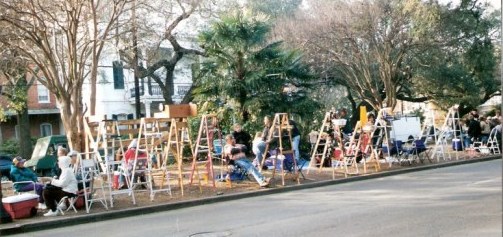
(462, 200)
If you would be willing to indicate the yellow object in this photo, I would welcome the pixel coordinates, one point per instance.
(363, 115)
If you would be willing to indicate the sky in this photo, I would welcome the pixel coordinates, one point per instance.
(495, 4)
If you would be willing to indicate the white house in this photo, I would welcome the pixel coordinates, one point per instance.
(115, 95)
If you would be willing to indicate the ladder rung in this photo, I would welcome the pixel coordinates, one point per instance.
(201, 162)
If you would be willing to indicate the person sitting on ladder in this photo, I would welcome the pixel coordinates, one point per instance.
(129, 157)
(235, 152)
(261, 145)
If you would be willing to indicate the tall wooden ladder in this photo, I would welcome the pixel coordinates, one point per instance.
(178, 140)
(350, 152)
(322, 143)
(370, 152)
(208, 129)
(281, 128)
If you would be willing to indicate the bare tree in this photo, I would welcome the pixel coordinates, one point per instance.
(366, 46)
(166, 34)
(63, 39)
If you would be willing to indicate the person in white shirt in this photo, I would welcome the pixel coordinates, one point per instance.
(65, 185)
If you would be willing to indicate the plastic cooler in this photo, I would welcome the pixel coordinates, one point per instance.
(456, 145)
(21, 206)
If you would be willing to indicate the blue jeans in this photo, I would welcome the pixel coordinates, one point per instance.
(467, 141)
(484, 138)
(247, 165)
(259, 149)
(295, 144)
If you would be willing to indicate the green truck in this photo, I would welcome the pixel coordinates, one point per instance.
(45, 155)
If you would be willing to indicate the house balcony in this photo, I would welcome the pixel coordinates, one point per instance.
(154, 92)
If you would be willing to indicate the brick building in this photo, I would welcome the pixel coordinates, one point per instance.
(43, 113)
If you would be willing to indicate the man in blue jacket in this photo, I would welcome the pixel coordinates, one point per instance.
(19, 173)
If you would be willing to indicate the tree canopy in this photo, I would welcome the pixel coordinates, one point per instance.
(410, 50)
(249, 74)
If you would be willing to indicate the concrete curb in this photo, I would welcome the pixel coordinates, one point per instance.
(108, 215)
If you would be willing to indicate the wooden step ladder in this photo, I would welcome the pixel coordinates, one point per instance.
(350, 153)
(322, 142)
(178, 139)
(208, 129)
(280, 126)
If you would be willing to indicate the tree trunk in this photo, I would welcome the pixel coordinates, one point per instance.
(169, 87)
(70, 112)
(23, 120)
(92, 97)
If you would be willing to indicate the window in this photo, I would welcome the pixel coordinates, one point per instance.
(45, 129)
(118, 75)
(43, 94)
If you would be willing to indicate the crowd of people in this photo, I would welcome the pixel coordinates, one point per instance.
(67, 177)
(478, 128)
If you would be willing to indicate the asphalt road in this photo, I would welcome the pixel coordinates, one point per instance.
(457, 201)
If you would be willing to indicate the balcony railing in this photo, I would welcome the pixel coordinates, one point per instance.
(181, 89)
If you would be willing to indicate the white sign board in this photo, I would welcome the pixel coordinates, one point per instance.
(405, 127)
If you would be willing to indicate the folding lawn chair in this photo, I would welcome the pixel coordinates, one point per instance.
(419, 147)
(16, 191)
(68, 201)
(90, 171)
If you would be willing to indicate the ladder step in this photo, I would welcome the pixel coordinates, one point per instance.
(201, 162)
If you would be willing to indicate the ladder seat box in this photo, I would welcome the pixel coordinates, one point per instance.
(177, 111)
(21, 206)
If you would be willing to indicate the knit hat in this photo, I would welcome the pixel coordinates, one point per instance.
(17, 160)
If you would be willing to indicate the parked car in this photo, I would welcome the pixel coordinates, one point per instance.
(5, 163)
(44, 155)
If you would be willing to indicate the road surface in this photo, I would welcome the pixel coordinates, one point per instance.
(463, 200)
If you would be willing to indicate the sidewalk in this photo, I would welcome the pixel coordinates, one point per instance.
(211, 195)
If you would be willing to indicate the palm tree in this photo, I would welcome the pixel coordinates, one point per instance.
(246, 72)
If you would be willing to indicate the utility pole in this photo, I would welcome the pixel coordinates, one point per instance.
(135, 64)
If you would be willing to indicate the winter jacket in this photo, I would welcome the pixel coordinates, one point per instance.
(22, 174)
(474, 129)
(67, 180)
